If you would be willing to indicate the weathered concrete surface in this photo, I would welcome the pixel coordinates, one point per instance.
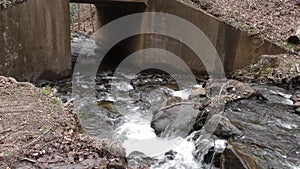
(109, 11)
(35, 40)
(237, 49)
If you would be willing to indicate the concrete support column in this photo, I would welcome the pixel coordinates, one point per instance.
(35, 40)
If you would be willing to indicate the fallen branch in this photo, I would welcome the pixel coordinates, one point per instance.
(33, 161)
(182, 103)
(39, 137)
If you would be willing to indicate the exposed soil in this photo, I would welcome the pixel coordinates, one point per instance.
(38, 131)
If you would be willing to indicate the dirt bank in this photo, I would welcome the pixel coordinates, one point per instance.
(275, 20)
(38, 131)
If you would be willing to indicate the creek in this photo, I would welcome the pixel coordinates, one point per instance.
(164, 127)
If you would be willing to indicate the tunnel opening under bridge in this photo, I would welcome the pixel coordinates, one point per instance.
(100, 13)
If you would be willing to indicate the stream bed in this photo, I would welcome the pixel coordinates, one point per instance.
(228, 125)
(257, 130)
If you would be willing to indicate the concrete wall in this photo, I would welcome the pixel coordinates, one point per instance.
(35, 40)
(236, 48)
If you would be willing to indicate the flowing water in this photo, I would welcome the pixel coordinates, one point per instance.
(271, 134)
(271, 124)
(130, 115)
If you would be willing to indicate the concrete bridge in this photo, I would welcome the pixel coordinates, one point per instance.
(35, 36)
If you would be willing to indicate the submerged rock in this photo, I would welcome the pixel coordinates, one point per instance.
(112, 111)
(138, 160)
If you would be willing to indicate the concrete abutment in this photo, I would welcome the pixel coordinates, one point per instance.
(35, 37)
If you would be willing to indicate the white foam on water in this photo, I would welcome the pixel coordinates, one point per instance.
(132, 130)
(140, 137)
(183, 94)
(289, 126)
(183, 157)
(151, 147)
(220, 145)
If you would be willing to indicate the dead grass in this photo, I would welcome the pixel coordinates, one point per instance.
(36, 131)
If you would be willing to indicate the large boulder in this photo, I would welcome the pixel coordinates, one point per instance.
(177, 120)
(270, 132)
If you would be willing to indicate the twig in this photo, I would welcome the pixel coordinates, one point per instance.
(39, 137)
(5, 131)
(33, 161)
(28, 159)
(51, 162)
(180, 103)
